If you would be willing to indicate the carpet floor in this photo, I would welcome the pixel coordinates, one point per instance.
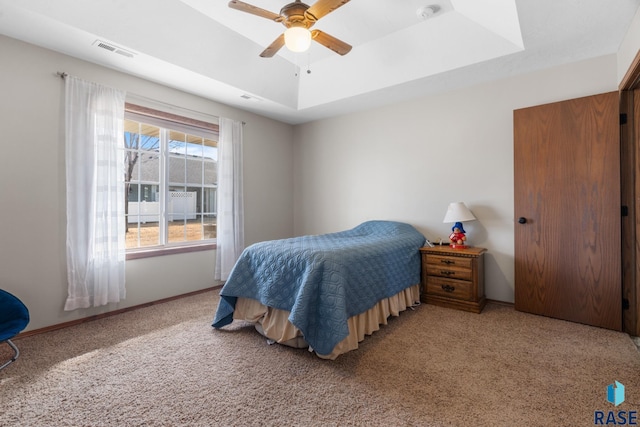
(164, 365)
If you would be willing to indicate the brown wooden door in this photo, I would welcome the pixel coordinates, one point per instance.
(567, 189)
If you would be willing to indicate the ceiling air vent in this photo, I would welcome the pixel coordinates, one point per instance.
(124, 53)
(113, 48)
(249, 97)
(106, 46)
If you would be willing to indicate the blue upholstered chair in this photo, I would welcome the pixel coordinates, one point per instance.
(14, 317)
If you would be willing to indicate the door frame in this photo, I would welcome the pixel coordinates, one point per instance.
(630, 192)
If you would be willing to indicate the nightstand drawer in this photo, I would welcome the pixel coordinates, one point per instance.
(449, 261)
(453, 277)
(450, 288)
(449, 271)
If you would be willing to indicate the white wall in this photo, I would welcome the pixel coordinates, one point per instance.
(32, 236)
(404, 162)
(409, 160)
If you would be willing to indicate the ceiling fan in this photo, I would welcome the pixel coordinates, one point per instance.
(298, 18)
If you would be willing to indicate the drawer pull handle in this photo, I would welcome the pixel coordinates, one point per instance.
(448, 288)
(447, 272)
(447, 261)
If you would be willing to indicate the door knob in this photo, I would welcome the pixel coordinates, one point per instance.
(522, 220)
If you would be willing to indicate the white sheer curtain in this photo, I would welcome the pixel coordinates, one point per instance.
(94, 140)
(230, 221)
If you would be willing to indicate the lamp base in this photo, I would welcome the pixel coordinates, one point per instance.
(458, 246)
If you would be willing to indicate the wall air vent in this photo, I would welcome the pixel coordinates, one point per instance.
(113, 48)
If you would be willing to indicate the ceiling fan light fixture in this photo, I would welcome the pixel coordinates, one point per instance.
(297, 39)
(297, 18)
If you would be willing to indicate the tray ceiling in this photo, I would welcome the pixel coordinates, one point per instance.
(206, 48)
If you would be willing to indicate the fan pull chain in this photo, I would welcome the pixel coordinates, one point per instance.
(296, 68)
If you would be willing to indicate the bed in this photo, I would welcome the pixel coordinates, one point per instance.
(325, 292)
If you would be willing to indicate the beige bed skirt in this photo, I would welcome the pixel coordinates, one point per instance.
(274, 323)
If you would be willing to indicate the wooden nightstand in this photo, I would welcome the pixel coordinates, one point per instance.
(453, 278)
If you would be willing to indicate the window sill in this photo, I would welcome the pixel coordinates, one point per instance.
(169, 251)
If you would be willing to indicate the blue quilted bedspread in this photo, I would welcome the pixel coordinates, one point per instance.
(323, 280)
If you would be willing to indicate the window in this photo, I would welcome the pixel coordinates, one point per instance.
(170, 180)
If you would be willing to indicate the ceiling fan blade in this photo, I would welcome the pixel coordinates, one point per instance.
(322, 8)
(274, 47)
(338, 46)
(254, 10)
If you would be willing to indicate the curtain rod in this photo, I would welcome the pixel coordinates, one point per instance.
(63, 75)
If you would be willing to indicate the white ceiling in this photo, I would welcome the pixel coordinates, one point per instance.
(206, 48)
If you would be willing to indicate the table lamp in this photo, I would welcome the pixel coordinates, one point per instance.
(457, 212)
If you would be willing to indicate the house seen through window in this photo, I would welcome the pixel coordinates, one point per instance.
(170, 179)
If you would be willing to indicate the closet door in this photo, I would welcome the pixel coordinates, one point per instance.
(567, 210)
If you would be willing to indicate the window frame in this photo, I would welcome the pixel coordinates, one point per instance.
(181, 124)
